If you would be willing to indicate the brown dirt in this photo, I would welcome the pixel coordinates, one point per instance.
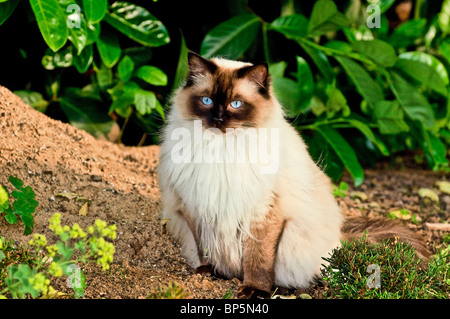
(53, 157)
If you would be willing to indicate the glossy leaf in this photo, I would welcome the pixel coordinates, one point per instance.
(6, 9)
(425, 68)
(414, 104)
(369, 134)
(444, 17)
(145, 101)
(84, 59)
(85, 114)
(291, 26)
(182, 66)
(76, 24)
(232, 37)
(125, 68)
(137, 23)
(369, 89)
(325, 17)
(378, 51)
(287, 92)
(152, 75)
(305, 82)
(51, 21)
(406, 33)
(109, 48)
(95, 10)
(344, 151)
(389, 116)
(321, 61)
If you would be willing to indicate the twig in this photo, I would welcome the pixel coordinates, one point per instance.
(438, 226)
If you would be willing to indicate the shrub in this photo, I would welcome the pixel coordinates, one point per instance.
(388, 270)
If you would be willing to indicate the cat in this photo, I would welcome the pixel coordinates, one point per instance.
(268, 218)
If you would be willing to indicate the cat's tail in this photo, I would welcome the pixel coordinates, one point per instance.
(381, 229)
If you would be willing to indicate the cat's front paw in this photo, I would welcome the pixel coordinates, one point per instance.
(249, 292)
(205, 270)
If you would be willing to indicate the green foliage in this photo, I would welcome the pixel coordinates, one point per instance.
(23, 206)
(359, 92)
(86, 35)
(26, 271)
(401, 274)
(380, 86)
(173, 291)
(340, 190)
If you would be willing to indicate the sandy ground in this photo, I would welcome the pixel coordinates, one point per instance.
(121, 184)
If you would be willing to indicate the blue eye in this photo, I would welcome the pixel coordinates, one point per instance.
(207, 101)
(236, 104)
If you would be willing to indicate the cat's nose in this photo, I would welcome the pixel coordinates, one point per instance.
(218, 120)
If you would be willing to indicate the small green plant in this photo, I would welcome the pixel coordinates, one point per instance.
(395, 266)
(341, 190)
(31, 276)
(173, 291)
(24, 205)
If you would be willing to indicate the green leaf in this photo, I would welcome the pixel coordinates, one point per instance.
(389, 117)
(33, 99)
(104, 77)
(137, 23)
(95, 10)
(414, 104)
(125, 68)
(378, 51)
(16, 182)
(344, 151)
(325, 17)
(407, 33)
(369, 89)
(444, 17)
(24, 205)
(287, 93)
(232, 37)
(321, 61)
(369, 134)
(92, 33)
(10, 216)
(6, 9)
(384, 4)
(182, 66)
(18, 281)
(425, 69)
(435, 150)
(109, 48)
(152, 75)
(305, 81)
(84, 59)
(291, 26)
(145, 101)
(4, 199)
(76, 24)
(336, 101)
(84, 113)
(51, 21)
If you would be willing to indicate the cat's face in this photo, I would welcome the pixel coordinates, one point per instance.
(225, 94)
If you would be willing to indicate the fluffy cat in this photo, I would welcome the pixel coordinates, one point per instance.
(267, 219)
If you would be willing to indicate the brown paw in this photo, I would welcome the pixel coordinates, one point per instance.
(205, 270)
(249, 292)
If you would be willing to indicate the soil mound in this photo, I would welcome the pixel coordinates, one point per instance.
(121, 183)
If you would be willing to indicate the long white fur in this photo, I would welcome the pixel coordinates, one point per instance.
(224, 199)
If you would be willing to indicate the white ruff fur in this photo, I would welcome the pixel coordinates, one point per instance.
(223, 200)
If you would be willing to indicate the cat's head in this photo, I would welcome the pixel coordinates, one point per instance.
(226, 94)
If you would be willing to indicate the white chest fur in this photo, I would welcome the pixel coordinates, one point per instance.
(223, 186)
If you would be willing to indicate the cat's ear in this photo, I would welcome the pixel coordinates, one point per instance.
(199, 65)
(258, 73)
